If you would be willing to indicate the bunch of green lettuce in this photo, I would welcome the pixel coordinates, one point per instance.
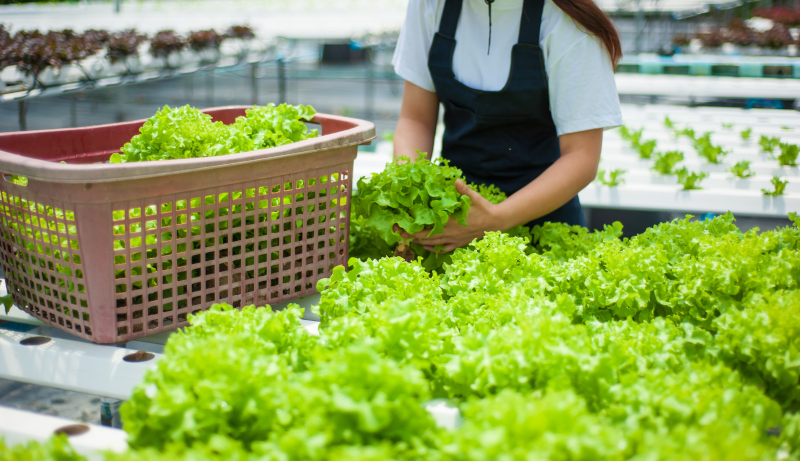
(186, 132)
(562, 242)
(257, 377)
(665, 161)
(271, 125)
(369, 283)
(365, 241)
(417, 196)
(762, 340)
(372, 237)
(520, 426)
(434, 261)
(558, 425)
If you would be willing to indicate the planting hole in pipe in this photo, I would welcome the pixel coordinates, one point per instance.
(72, 429)
(35, 341)
(139, 356)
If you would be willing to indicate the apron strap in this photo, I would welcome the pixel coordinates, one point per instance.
(531, 21)
(449, 22)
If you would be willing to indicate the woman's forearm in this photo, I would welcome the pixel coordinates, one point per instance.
(416, 125)
(574, 170)
(412, 135)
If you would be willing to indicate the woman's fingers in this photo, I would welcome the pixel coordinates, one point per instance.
(434, 240)
(401, 232)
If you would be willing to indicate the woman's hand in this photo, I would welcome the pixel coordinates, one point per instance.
(480, 219)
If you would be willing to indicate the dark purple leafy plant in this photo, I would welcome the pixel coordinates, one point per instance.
(32, 51)
(712, 39)
(124, 44)
(778, 37)
(205, 39)
(102, 36)
(166, 42)
(680, 40)
(240, 32)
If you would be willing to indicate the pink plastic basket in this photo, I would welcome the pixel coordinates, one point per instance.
(110, 253)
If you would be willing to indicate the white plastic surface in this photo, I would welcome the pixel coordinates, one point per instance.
(71, 365)
(444, 413)
(18, 427)
(707, 87)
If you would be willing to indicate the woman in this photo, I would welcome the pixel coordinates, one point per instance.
(527, 88)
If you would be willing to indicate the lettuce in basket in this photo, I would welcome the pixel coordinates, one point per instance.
(185, 132)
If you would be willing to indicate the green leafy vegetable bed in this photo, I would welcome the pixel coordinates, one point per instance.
(679, 343)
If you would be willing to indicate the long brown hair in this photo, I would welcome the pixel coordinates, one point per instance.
(589, 16)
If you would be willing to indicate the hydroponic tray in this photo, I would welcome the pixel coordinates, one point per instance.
(712, 65)
(684, 86)
(644, 189)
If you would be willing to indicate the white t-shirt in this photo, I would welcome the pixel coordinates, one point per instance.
(583, 92)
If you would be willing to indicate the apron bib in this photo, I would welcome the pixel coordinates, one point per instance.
(507, 137)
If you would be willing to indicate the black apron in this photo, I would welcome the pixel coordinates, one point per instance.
(507, 137)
